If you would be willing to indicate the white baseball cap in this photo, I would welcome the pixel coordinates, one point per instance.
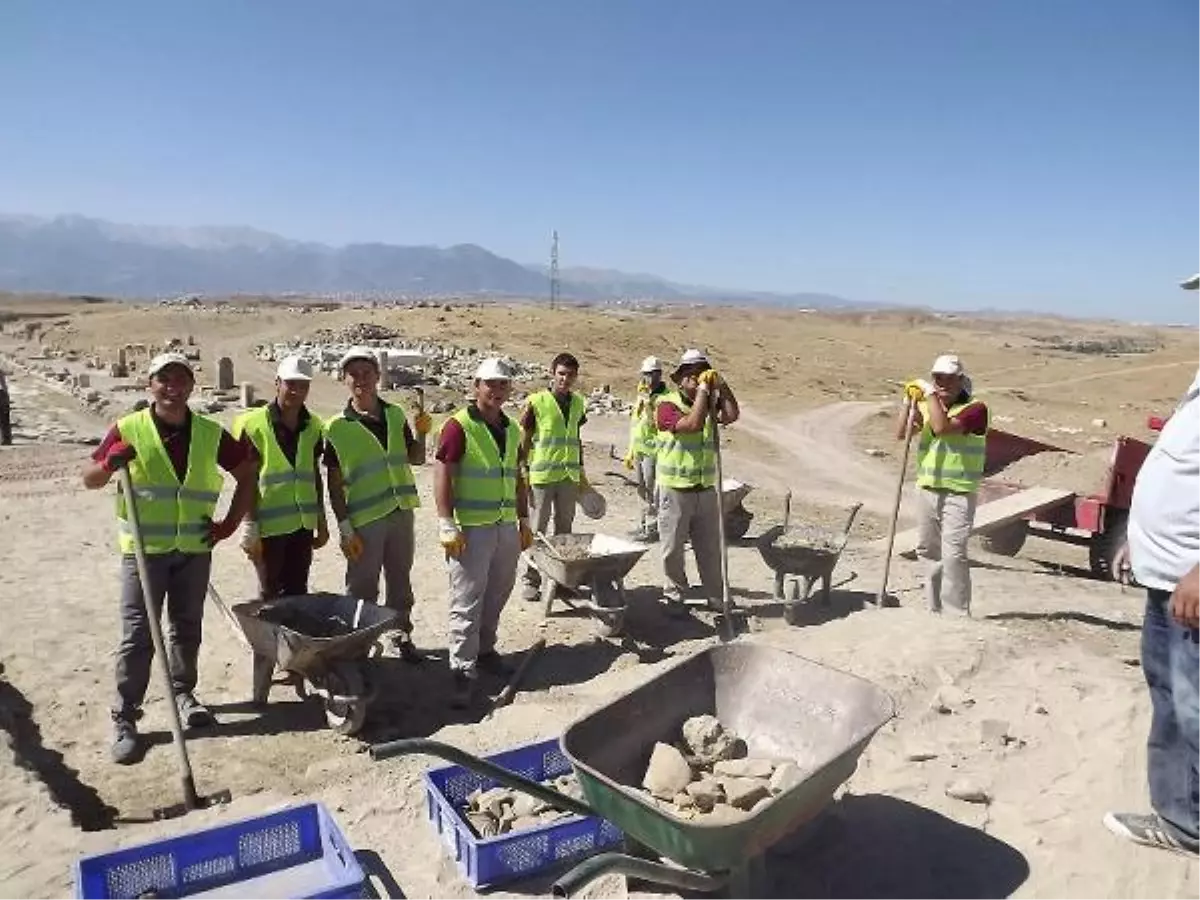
(357, 353)
(1191, 284)
(294, 368)
(163, 360)
(651, 364)
(494, 369)
(947, 364)
(689, 358)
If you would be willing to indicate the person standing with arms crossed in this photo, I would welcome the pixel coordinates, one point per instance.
(369, 453)
(550, 425)
(483, 522)
(643, 445)
(286, 522)
(174, 457)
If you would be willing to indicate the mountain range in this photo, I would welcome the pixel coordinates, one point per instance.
(74, 254)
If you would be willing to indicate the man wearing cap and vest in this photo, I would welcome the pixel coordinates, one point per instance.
(369, 454)
(643, 444)
(483, 522)
(686, 476)
(550, 425)
(287, 520)
(953, 429)
(174, 457)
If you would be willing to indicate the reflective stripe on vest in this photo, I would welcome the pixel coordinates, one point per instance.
(377, 481)
(951, 462)
(287, 494)
(485, 486)
(172, 514)
(643, 430)
(685, 460)
(554, 454)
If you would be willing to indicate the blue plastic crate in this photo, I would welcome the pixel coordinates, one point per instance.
(294, 852)
(487, 862)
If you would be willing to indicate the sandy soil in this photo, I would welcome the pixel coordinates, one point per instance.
(1041, 642)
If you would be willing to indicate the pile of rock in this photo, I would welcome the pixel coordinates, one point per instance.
(708, 776)
(501, 810)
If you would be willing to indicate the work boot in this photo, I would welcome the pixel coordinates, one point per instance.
(192, 712)
(406, 650)
(127, 745)
(464, 689)
(493, 663)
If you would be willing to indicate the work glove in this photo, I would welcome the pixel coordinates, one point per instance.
(918, 389)
(526, 535)
(118, 456)
(219, 531)
(643, 387)
(252, 541)
(322, 535)
(352, 544)
(584, 484)
(453, 540)
(422, 423)
(628, 460)
(710, 379)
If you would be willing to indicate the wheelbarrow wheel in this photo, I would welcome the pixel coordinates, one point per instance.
(737, 523)
(345, 697)
(346, 716)
(791, 609)
(609, 624)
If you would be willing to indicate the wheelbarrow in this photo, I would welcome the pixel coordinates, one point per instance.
(737, 517)
(805, 554)
(322, 643)
(780, 704)
(598, 562)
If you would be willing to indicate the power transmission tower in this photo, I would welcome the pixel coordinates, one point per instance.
(554, 286)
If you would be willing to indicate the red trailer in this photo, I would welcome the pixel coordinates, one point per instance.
(1096, 521)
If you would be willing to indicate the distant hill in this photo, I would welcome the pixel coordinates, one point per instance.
(80, 255)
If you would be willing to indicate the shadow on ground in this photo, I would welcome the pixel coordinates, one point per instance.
(1065, 615)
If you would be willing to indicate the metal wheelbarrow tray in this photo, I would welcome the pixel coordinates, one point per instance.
(333, 666)
(809, 554)
(599, 562)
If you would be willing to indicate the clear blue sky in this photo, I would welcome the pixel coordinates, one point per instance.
(1015, 153)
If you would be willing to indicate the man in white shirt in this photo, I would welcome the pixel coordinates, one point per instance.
(1163, 554)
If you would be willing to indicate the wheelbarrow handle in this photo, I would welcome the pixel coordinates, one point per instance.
(413, 746)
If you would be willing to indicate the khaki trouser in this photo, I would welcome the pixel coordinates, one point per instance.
(388, 548)
(943, 529)
(556, 499)
(481, 580)
(645, 467)
(684, 515)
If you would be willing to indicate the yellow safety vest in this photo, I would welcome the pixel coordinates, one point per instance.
(287, 494)
(377, 481)
(643, 430)
(951, 462)
(485, 486)
(173, 515)
(554, 456)
(686, 460)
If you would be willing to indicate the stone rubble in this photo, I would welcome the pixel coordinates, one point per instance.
(501, 810)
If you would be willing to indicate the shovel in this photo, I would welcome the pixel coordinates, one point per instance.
(728, 631)
(883, 599)
(191, 800)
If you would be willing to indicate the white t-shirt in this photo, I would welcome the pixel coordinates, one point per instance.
(1164, 521)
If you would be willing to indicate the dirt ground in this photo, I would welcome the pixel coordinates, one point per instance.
(1042, 639)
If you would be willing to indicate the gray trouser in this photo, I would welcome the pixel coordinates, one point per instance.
(645, 468)
(943, 529)
(558, 498)
(481, 580)
(684, 515)
(182, 578)
(388, 547)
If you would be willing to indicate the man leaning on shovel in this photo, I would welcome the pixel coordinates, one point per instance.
(174, 457)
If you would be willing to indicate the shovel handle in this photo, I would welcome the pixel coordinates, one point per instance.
(891, 538)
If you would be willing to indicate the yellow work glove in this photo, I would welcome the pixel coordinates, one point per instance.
(251, 541)
(643, 387)
(352, 544)
(422, 423)
(526, 535)
(709, 378)
(629, 460)
(918, 389)
(453, 541)
(584, 484)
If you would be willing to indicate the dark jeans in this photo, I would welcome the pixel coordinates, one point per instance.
(1170, 663)
(5, 419)
(286, 560)
(183, 579)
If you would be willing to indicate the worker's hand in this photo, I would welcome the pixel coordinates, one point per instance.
(422, 423)
(118, 456)
(219, 531)
(252, 541)
(453, 540)
(1185, 600)
(584, 484)
(1122, 568)
(526, 535)
(918, 389)
(628, 460)
(710, 379)
(352, 544)
(322, 536)
(643, 386)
